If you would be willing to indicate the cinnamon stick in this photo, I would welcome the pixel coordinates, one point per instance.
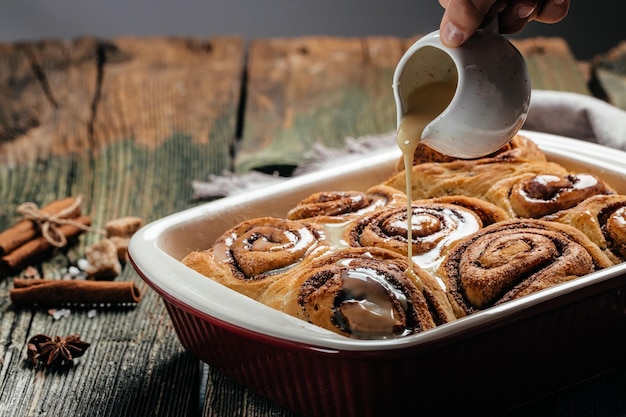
(55, 292)
(26, 229)
(38, 247)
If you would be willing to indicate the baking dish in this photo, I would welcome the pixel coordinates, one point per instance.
(480, 364)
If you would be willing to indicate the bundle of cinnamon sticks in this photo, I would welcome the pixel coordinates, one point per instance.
(31, 239)
(54, 226)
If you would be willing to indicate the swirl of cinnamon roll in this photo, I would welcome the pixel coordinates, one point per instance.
(255, 252)
(539, 195)
(514, 258)
(361, 293)
(343, 205)
(435, 227)
(487, 212)
(603, 219)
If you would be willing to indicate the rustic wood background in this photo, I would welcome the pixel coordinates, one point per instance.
(129, 123)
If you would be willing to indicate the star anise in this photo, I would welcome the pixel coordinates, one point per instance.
(55, 351)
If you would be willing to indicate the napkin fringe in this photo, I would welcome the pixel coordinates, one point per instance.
(318, 158)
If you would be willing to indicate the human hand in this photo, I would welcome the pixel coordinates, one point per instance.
(463, 17)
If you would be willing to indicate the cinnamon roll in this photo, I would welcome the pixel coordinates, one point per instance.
(251, 255)
(603, 219)
(361, 293)
(435, 228)
(468, 178)
(344, 205)
(537, 195)
(515, 258)
(519, 148)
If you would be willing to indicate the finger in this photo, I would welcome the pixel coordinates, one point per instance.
(515, 16)
(495, 10)
(553, 11)
(461, 19)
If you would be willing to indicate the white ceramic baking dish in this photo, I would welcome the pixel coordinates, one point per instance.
(484, 362)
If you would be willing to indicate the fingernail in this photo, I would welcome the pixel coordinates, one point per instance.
(559, 2)
(452, 36)
(524, 12)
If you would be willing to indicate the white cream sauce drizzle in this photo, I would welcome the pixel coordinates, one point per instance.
(334, 234)
(424, 104)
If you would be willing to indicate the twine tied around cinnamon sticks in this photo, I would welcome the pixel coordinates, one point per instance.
(25, 242)
(50, 223)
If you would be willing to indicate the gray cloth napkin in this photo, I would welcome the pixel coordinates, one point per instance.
(577, 116)
(561, 113)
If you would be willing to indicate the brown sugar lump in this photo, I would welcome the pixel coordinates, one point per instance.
(102, 258)
(121, 244)
(123, 227)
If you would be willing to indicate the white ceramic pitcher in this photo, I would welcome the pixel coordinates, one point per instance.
(492, 96)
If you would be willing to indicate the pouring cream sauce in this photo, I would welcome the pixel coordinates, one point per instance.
(423, 105)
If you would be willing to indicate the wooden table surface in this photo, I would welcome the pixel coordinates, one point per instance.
(129, 123)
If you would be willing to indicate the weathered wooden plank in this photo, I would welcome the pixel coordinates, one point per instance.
(47, 98)
(128, 123)
(175, 99)
(310, 90)
(609, 75)
(551, 65)
(226, 398)
(155, 88)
